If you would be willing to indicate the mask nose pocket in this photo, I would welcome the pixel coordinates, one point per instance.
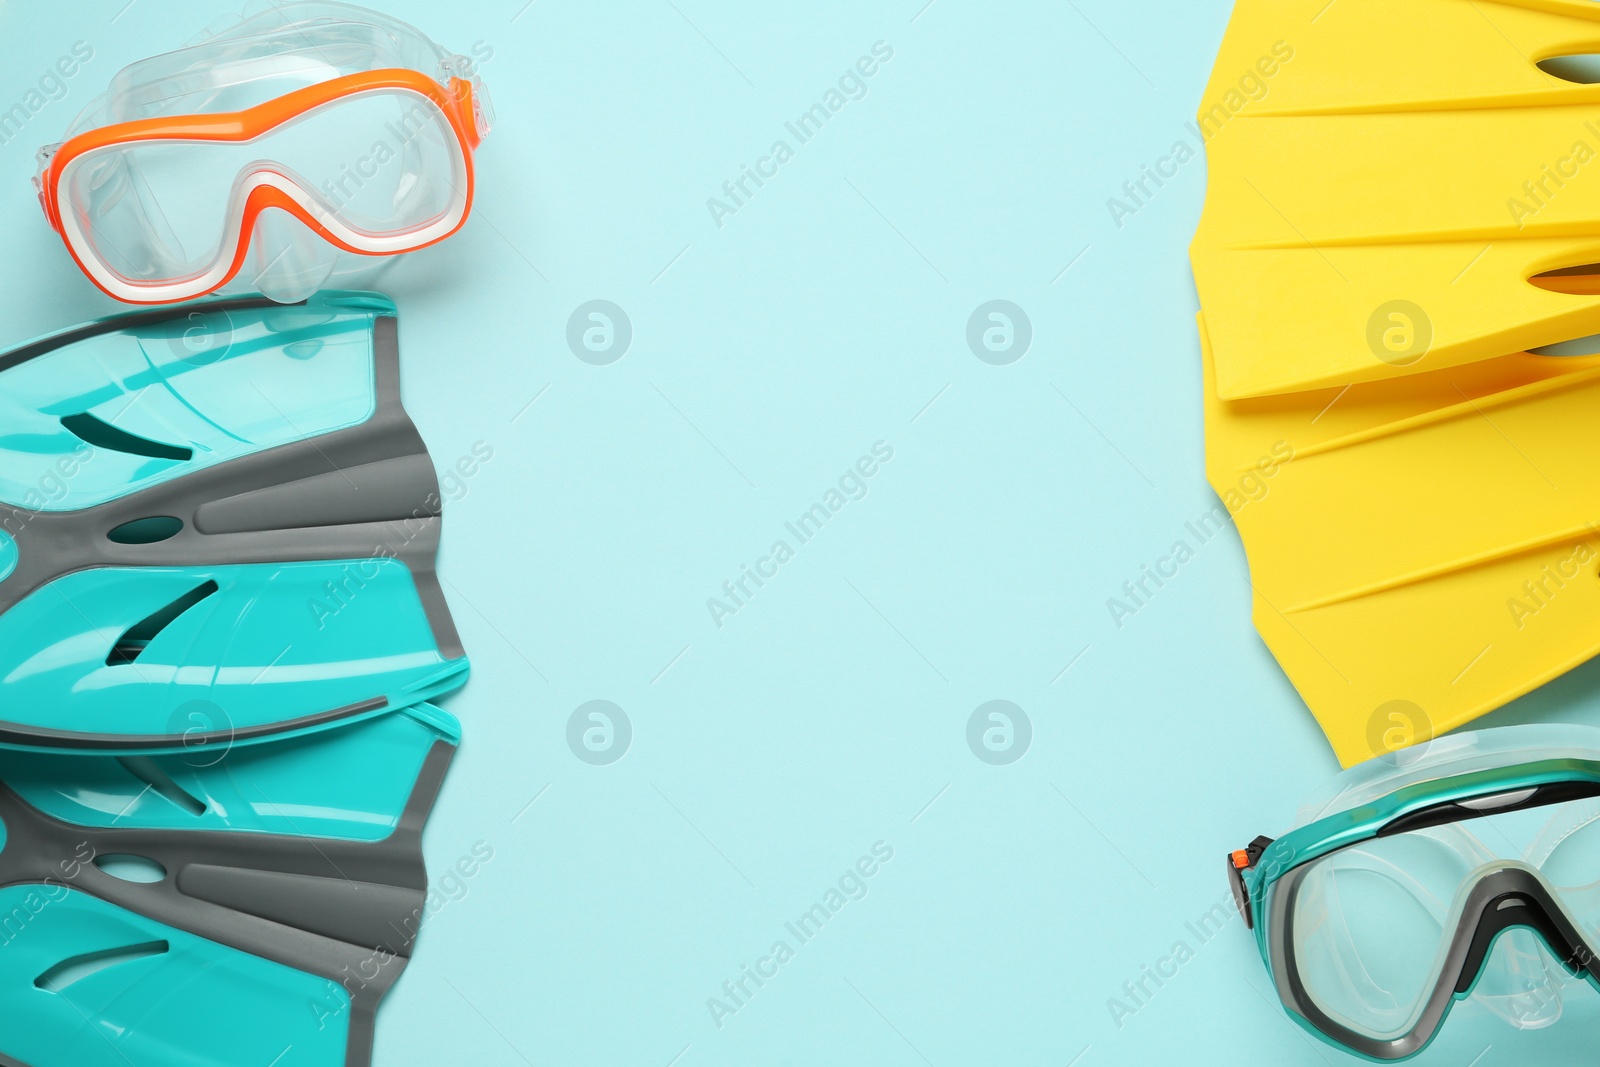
(1520, 981)
(288, 262)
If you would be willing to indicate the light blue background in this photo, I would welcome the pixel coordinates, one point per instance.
(830, 713)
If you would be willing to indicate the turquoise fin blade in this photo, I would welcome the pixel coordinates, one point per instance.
(282, 889)
(221, 529)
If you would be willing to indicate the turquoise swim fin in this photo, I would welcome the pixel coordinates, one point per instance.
(214, 909)
(217, 526)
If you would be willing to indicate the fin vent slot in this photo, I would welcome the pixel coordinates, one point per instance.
(139, 870)
(1582, 69)
(149, 531)
(76, 968)
(162, 784)
(96, 431)
(131, 645)
(1577, 347)
(1582, 280)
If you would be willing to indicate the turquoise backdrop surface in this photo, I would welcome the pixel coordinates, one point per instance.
(809, 378)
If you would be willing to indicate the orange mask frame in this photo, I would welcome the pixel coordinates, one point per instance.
(454, 101)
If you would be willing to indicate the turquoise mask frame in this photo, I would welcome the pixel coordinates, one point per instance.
(1511, 897)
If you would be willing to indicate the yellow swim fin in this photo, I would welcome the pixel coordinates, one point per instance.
(1396, 187)
(1422, 550)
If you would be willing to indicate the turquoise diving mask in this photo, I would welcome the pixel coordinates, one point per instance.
(1465, 868)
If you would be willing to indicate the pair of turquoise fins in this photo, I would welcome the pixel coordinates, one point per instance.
(220, 625)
